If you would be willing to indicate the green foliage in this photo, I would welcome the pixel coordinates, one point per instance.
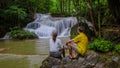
(117, 48)
(16, 11)
(20, 12)
(20, 34)
(54, 7)
(82, 9)
(101, 45)
(16, 28)
(43, 6)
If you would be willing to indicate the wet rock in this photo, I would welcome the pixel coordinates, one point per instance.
(100, 65)
(111, 64)
(116, 59)
(49, 62)
(91, 60)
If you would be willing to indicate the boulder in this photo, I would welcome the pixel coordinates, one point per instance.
(50, 62)
(91, 60)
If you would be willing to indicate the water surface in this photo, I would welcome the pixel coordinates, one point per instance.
(25, 53)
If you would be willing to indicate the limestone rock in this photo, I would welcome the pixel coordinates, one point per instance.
(91, 60)
(49, 62)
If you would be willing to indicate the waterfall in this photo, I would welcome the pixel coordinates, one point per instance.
(44, 24)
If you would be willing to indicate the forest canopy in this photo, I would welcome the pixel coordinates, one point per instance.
(20, 12)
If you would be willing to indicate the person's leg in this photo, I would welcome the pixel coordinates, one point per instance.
(70, 50)
(74, 47)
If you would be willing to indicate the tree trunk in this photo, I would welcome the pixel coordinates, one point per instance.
(99, 19)
(63, 6)
(91, 15)
(69, 3)
(76, 4)
(114, 6)
(60, 6)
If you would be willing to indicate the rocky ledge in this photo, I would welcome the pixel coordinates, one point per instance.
(91, 60)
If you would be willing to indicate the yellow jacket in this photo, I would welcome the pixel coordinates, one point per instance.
(82, 43)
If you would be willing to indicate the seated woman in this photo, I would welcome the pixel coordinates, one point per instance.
(56, 47)
(79, 44)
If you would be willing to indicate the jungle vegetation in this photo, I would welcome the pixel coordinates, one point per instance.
(101, 13)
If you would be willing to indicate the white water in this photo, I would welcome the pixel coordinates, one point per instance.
(44, 24)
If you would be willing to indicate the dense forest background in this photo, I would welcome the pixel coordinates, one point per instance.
(101, 13)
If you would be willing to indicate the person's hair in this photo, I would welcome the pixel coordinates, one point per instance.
(81, 28)
(54, 33)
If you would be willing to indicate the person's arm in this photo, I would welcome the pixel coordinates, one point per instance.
(76, 39)
(69, 42)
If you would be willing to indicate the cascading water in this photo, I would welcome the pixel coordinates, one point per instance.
(45, 24)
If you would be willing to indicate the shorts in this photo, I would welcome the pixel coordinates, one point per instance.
(74, 47)
(56, 54)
